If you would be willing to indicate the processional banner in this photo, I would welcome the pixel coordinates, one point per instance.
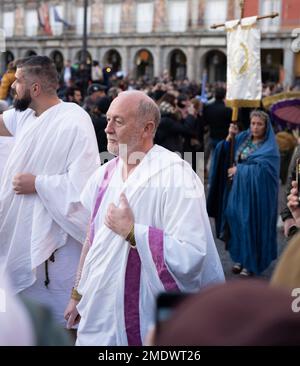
(244, 87)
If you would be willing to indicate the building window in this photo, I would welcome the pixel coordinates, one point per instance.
(144, 64)
(57, 27)
(144, 17)
(177, 15)
(9, 23)
(31, 23)
(178, 65)
(79, 20)
(215, 12)
(113, 60)
(112, 18)
(268, 7)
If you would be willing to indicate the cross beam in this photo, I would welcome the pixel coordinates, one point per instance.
(272, 15)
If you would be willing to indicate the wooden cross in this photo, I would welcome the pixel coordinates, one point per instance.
(242, 6)
(214, 26)
(234, 117)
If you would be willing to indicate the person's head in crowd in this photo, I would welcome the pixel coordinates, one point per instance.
(113, 92)
(36, 82)
(169, 98)
(123, 85)
(11, 67)
(296, 86)
(258, 124)
(183, 101)
(237, 313)
(120, 74)
(95, 91)
(197, 104)
(166, 76)
(158, 94)
(184, 105)
(101, 105)
(220, 93)
(73, 94)
(278, 88)
(68, 63)
(167, 105)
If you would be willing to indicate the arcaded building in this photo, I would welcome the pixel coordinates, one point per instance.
(143, 37)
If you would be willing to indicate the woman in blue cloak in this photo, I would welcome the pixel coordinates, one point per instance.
(243, 198)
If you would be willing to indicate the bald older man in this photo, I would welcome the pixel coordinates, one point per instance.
(149, 231)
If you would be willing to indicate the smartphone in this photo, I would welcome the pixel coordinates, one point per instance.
(298, 177)
(166, 304)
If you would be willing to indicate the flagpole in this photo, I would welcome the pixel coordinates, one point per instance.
(235, 109)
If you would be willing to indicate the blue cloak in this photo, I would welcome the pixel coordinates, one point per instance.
(246, 211)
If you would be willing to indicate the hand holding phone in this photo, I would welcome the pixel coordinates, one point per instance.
(165, 306)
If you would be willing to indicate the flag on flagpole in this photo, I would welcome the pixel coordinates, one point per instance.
(44, 19)
(41, 24)
(59, 19)
(244, 86)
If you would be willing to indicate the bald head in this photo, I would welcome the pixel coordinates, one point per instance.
(132, 119)
(143, 106)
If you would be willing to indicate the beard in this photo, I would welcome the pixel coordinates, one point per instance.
(21, 104)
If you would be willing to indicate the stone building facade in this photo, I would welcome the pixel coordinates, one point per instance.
(143, 37)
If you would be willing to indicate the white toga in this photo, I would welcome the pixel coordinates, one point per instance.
(58, 147)
(175, 249)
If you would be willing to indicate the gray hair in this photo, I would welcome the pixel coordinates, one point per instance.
(260, 114)
(148, 111)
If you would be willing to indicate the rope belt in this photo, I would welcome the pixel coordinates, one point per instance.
(52, 259)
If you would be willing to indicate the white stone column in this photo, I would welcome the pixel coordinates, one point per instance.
(288, 65)
(125, 60)
(166, 58)
(202, 52)
(70, 12)
(158, 62)
(190, 72)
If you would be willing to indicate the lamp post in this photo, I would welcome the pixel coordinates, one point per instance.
(85, 76)
(84, 38)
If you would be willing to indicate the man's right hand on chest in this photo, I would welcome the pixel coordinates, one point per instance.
(24, 183)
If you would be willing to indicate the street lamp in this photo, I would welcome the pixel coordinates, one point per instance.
(84, 39)
(84, 49)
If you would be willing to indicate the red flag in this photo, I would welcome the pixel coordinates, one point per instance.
(44, 19)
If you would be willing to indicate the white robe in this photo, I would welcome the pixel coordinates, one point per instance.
(16, 328)
(6, 145)
(169, 208)
(60, 148)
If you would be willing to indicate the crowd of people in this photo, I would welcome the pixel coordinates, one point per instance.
(79, 228)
